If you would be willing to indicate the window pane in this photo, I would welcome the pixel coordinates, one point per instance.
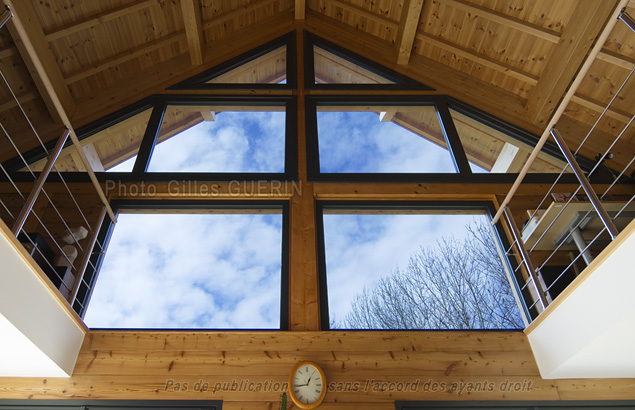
(333, 69)
(370, 140)
(415, 271)
(112, 149)
(190, 271)
(490, 150)
(270, 68)
(220, 139)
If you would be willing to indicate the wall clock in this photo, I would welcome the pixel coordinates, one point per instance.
(307, 385)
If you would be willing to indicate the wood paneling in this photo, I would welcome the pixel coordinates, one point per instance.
(139, 365)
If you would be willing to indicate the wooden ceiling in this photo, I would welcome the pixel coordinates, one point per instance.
(511, 58)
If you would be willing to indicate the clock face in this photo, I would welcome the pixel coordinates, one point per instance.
(307, 385)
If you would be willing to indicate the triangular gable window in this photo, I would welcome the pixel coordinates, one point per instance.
(268, 66)
(330, 66)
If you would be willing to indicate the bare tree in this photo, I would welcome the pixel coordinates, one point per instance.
(458, 284)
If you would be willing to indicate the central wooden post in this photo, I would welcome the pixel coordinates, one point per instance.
(304, 296)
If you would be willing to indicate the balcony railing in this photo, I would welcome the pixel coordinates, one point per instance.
(564, 231)
(57, 226)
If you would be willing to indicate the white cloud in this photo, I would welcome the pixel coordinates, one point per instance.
(179, 270)
(236, 142)
(359, 142)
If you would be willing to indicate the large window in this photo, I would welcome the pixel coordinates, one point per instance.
(172, 265)
(413, 266)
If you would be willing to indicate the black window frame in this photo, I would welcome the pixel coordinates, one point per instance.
(159, 103)
(199, 81)
(107, 228)
(487, 207)
(401, 82)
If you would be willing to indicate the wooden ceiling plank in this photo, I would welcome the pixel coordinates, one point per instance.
(494, 100)
(123, 57)
(578, 38)
(300, 9)
(156, 78)
(24, 13)
(22, 98)
(237, 12)
(102, 18)
(504, 19)
(193, 29)
(409, 22)
(479, 58)
(376, 18)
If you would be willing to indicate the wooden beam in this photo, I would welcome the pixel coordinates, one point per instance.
(121, 58)
(478, 58)
(505, 158)
(504, 19)
(208, 115)
(618, 59)
(237, 12)
(567, 57)
(393, 25)
(300, 9)
(93, 158)
(193, 29)
(25, 14)
(93, 21)
(408, 24)
(386, 116)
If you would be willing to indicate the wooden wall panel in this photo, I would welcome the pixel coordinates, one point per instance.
(147, 365)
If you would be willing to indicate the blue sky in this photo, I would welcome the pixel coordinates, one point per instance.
(223, 271)
(357, 141)
(196, 270)
(360, 249)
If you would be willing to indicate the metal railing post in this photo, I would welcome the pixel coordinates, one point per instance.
(39, 183)
(86, 259)
(586, 185)
(526, 259)
(5, 16)
(627, 19)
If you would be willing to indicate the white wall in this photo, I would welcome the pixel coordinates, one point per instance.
(591, 332)
(38, 337)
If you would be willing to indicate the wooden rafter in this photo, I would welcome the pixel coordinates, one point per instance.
(504, 19)
(300, 9)
(93, 21)
(410, 15)
(478, 58)
(193, 29)
(584, 27)
(24, 12)
(234, 13)
(121, 58)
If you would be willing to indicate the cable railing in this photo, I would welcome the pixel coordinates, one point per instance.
(571, 224)
(57, 225)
